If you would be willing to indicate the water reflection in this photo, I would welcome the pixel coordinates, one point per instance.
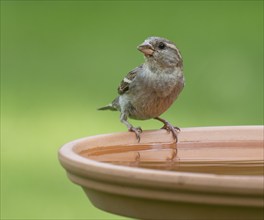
(230, 158)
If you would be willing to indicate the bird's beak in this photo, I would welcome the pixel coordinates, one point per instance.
(146, 48)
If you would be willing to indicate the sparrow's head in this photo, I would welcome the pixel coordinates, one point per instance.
(161, 51)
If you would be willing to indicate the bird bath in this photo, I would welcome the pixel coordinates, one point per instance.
(211, 173)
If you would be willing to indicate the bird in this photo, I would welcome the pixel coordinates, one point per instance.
(150, 89)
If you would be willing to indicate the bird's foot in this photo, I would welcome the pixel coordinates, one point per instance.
(172, 129)
(137, 132)
(168, 129)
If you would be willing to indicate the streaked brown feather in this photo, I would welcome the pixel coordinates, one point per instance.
(124, 85)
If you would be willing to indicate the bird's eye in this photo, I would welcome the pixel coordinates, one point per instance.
(161, 45)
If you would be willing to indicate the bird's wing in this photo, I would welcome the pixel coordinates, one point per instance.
(128, 79)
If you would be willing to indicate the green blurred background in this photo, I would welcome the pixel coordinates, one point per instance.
(60, 60)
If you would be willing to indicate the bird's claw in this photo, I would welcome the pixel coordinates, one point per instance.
(165, 126)
(172, 129)
(137, 132)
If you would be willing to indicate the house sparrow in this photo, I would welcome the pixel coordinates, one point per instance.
(150, 89)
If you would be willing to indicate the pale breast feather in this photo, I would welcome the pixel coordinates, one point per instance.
(128, 79)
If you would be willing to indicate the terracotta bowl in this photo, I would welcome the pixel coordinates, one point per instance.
(211, 173)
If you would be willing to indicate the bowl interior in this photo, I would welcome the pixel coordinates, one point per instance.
(225, 151)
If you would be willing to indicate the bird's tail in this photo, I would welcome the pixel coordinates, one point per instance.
(114, 106)
(108, 107)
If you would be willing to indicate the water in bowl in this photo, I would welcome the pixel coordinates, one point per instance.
(229, 158)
